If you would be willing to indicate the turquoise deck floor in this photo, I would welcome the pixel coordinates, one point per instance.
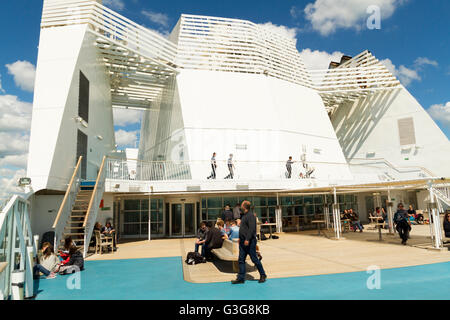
(162, 279)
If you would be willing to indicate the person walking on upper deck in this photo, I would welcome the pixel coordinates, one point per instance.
(247, 244)
(289, 168)
(213, 167)
(230, 167)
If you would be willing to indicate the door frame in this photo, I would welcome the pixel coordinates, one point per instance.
(183, 201)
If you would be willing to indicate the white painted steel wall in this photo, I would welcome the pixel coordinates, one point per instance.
(228, 112)
(368, 128)
(63, 52)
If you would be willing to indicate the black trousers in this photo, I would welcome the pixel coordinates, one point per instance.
(213, 172)
(403, 229)
(251, 251)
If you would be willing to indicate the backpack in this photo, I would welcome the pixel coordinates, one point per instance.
(194, 258)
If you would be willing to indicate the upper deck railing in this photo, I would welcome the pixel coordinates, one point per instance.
(363, 170)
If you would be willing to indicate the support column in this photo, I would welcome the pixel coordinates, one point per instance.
(390, 213)
(435, 220)
(150, 218)
(336, 217)
(278, 218)
(326, 212)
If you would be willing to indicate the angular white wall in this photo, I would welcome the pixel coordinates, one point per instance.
(216, 111)
(370, 126)
(63, 53)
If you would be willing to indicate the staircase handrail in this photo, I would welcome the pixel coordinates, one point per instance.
(94, 205)
(69, 200)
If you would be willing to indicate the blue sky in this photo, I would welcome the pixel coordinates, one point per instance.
(414, 36)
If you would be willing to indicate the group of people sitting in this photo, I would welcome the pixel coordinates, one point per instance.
(69, 260)
(108, 230)
(209, 238)
(353, 217)
(226, 228)
(413, 216)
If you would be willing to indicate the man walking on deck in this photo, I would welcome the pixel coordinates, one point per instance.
(247, 244)
(289, 168)
(230, 168)
(213, 167)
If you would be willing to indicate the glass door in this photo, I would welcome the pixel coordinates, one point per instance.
(189, 219)
(182, 219)
(177, 219)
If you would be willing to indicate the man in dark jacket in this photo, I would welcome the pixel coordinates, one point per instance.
(403, 225)
(227, 214)
(213, 240)
(247, 244)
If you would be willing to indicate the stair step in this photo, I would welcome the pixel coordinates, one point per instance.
(74, 234)
(79, 210)
(77, 216)
(73, 228)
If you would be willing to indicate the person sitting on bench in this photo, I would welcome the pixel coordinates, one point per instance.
(201, 235)
(213, 240)
(356, 223)
(221, 226)
(234, 231)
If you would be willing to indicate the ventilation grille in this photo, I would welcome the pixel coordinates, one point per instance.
(406, 131)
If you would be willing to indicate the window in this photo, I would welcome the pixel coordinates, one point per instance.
(136, 215)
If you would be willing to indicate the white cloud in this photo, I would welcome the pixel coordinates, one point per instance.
(404, 74)
(287, 32)
(24, 74)
(17, 161)
(9, 185)
(327, 16)
(114, 4)
(161, 19)
(126, 138)
(15, 121)
(319, 60)
(422, 61)
(125, 117)
(441, 113)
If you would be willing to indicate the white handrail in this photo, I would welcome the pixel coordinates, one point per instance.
(15, 225)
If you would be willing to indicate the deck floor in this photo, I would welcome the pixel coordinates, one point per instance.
(298, 255)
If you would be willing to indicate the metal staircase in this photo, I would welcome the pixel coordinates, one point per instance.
(78, 212)
(442, 193)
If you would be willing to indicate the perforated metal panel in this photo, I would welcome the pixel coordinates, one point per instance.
(83, 98)
(407, 132)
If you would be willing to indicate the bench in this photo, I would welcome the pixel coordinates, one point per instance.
(229, 252)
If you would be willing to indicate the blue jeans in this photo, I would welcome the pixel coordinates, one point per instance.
(358, 225)
(38, 268)
(198, 245)
(248, 250)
